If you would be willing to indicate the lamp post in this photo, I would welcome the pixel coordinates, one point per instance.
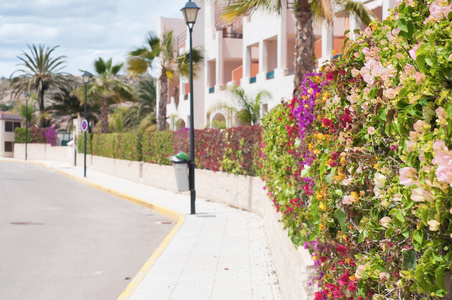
(27, 95)
(190, 12)
(85, 77)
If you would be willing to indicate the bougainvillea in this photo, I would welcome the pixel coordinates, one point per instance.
(379, 221)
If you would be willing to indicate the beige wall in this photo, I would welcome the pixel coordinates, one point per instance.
(294, 267)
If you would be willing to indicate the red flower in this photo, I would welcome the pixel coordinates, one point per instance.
(327, 122)
(322, 258)
(330, 76)
(346, 118)
(342, 72)
(341, 248)
(318, 295)
(344, 279)
(352, 286)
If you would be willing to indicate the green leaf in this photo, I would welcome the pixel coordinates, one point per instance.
(440, 277)
(448, 109)
(418, 236)
(409, 260)
(402, 24)
(389, 232)
(342, 218)
(399, 216)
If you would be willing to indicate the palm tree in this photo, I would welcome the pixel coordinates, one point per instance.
(145, 104)
(305, 12)
(67, 105)
(40, 71)
(162, 52)
(249, 106)
(107, 88)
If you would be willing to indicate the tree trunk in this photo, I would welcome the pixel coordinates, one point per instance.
(304, 43)
(41, 107)
(161, 120)
(104, 115)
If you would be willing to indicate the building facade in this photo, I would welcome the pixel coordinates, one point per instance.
(8, 124)
(255, 52)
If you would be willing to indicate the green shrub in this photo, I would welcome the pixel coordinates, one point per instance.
(81, 143)
(158, 147)
(129, 146)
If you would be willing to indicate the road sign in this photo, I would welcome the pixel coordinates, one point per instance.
(84, 125)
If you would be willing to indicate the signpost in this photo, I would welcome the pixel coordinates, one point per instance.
(84, 125)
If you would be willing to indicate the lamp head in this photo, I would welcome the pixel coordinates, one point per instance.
(190, 12)
(86, 77)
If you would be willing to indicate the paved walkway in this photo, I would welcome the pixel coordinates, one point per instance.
(219, 253)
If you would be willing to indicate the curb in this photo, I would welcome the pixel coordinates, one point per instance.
(175, 216)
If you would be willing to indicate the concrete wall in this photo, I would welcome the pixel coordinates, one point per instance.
(294, 267)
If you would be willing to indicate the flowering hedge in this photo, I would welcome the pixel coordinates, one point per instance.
(234, 150)
(360, 164)
(37, 135)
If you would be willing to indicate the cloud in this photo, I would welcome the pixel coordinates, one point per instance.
(84, 29)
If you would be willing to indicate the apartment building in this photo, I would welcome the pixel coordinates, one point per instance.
(255, 52)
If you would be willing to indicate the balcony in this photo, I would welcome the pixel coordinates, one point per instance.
(271, 74)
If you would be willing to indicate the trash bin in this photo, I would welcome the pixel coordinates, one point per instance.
(180, 162)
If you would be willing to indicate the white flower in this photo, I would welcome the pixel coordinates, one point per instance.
(379, 180)
(433, 225)
(385, 221)
(378, 192)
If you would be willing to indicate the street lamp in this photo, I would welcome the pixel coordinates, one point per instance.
(190, 12)
(27, 95)
(85, 78)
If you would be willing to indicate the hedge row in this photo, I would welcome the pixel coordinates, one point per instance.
(234, 150)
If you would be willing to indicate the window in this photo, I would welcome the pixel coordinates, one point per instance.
(16, 125)
(8, 146)
(9, 126)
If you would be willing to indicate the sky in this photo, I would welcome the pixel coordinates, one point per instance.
(84, 30)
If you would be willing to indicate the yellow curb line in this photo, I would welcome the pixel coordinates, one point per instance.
(175, 216)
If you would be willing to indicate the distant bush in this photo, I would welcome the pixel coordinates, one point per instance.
(37, 135)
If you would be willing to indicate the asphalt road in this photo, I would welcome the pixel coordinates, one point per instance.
(61, 239)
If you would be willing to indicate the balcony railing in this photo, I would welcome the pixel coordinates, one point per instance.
(232, 35)
(253, 79)
(271, 74)
(290, 4)
(288, 72)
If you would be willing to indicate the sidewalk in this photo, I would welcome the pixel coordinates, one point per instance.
(219, 253)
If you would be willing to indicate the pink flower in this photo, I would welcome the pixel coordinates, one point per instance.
(413, 51)
(441, 112)
(348, 200)
(420, 126)
(408, 176)
(371, 130)
(419, 195)
(439, 145)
